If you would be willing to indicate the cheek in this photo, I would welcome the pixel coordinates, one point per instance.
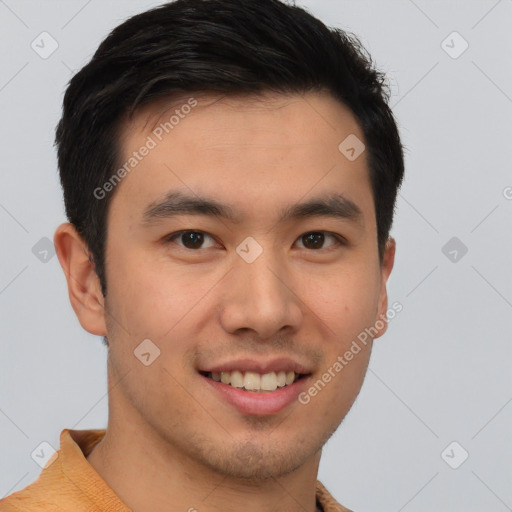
(345, 301)
(347, 305)
(335, 389)
(159, 298)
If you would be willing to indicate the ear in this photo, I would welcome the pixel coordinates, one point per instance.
(388, 259)
(83, 284)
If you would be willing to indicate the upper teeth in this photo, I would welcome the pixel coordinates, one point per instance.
(253, 381)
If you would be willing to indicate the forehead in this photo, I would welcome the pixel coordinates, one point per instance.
(204, 119)
(243, 149)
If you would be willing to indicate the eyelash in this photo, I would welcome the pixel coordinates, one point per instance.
(340, 241)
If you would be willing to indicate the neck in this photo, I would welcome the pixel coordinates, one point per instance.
(148, 473)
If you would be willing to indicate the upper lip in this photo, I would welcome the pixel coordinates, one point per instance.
(251, 365)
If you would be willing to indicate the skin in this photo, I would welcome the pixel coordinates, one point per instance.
(169, 439)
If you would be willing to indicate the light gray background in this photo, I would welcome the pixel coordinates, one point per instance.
(442, 373)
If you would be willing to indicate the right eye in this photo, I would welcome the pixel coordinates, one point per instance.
(189, 239)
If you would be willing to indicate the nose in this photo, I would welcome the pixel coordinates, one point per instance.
(260, 297)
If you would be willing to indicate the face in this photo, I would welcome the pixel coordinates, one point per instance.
(279, 271)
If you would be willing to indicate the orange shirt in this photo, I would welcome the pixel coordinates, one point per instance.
(68, 483)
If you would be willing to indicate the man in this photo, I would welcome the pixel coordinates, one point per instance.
(230, 170)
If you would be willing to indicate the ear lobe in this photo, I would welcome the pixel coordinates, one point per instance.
(388, 259)
(83, 284)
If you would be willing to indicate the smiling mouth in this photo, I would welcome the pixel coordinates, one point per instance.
(255, 382)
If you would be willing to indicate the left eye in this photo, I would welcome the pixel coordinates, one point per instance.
(194, 239)
(315, 239)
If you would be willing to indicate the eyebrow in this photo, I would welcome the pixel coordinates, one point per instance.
(178, 203)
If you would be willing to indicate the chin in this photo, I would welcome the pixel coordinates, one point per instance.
(255, 461)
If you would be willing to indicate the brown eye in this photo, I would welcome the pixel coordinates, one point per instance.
(189, 239)
(315, 240)
(192, 239)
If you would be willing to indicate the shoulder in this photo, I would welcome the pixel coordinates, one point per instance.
(63, 483)
(327, 501)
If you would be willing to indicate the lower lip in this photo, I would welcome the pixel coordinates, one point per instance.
(259, 404)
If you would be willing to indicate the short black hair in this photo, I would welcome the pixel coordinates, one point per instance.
(219, 46)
